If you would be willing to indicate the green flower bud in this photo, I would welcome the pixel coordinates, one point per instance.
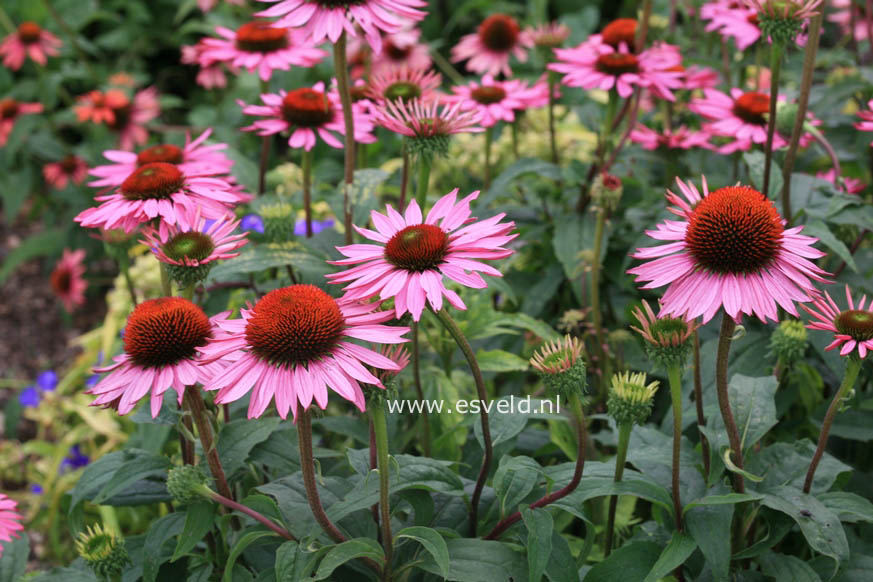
(606, 191)
(560, 365)
(279, 221)
(666, 338)
(186, 276)
(630, 398)
(187, 483)
(789, 341)
(103, 551)
(435, 146)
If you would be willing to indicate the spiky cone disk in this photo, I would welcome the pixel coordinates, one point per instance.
(666, 339)
(630, 398)
(103, 551)
(789, 341)
(560, 365)
(782, 20)
(187, 484)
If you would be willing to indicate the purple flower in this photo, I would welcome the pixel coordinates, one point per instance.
(29, 397)
(92, 380)
(36, 489)
(75, 460)
(47, 380)
(317, 226)
(252, 222)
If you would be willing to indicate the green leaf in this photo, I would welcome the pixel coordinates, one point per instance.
(782, 567)
(238, 437)
(432, 541)
(599, 482)
(294, 563)
(198, 522)
(515, 478)
(569, 239)
(44, 243)
(13, 560)
(137, 469)
(502, 183)
(819, 525)
(539, 541)
(674, 555)
(505, 422)
(474, 560)
(255, 259)
(562, 566)
(725, 499)
(500, 361)
(786, 464)
(160, 534)
(756, 162)
(850, 508)
(244, 542)
(64, 575)
(632, 561)
(348, 550)
(753, 403)
(819, 229)
(710, 526)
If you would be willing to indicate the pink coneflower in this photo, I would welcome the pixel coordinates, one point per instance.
(428, 125)
(619, 31)
(739, 23)
(10, 520)
(416, 255)
(845, 13)
(866, 123)
(194, 158)
(293, 345)
(404, 84)
(596, 65)
(323, 19)
(70, 168)
(160, 352)
(680, 138)
(852, 327)
(66, 279)
(845, 184)
(122, 114)
(259, 46)
(10, 109)
(306, 113)
(731, 249)
(489, 49)
(160, 189)
(498, 100)
(209, 76)
(198, 245)
(785, 10)
(550, 35)
(30, 40)
(402, 50)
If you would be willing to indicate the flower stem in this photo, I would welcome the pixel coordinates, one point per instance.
(596, 314)
(674, 374)
(853, 366)
(462, 342)
(424, 162)
(380, 428)
(416, 375)
(775, 66)
(582, 440)
(307, 190)
(124, 265)
(193, 401)
(404, 176)
(307, 466)
(515, 130)
(802, 104)
(260, 518)
(342, 81)
(698, 404)
(166, 288)
(624, 432)
(721, 385)
(553, 144)
(489, 138)
(265, 151)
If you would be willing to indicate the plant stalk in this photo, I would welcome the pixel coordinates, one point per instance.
(721, 385)
(380, 428)
(419, 391)
(674, 374)
(342, 81)
(424, 162)
(193, 401)
(489, 138)
(775, 65)
(307, 190)
(624, 432)
(698, 405)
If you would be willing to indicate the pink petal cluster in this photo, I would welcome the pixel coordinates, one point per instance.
(499, 100)
(486, 57)
(10, 110)
(221, 233)
(680, 138)
(66, 279)
(69, 169)
(122, 114)
(420, 119)
(31, 41)
(827, 317)
(10, 520)
(844, 183)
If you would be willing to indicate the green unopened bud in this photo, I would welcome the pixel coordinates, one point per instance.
(789, 341)
(103, 551)
(186, 276)
(560, 365)
(279, 221)
(630, 398)
(187, 483)
(666, 338)
(606, 191)
(435, 146)
(786, 113)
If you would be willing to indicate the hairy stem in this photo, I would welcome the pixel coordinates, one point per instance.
(674, 374)
(342, 81)
(698, 405)
(307, 190)
(424, 162)
(551, 76)
(404, 177)
(307, 466)
(489, 138)
(596, 313)
(419, 392)
(193, 401)
(380, 428)
(721, 385)
(260, 518)
(624, 432)
(775, 66)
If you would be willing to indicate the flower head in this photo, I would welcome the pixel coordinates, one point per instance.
(10, 520)
(666, 338)
(730, 249)
(121, 113)
(843, 183)
(617, 32)
(30, 397)
(29, 40)
(560, 365)
(187, 484)
(488, 50)
(306, 113)
(550, 35)
(414, 255)
(10, 110)
(781, 20)
(293, 345)
(427, 124)
(498, 100)
(680, 138)
(103, 551)
(68, 169)
(66, 279)
(191, 253)
(160, 352)
(47, 380)
(630, 398)
(328, 19)
(259, 46)
(789, 341)
(75, 460)
(403, 84)
(852, 327)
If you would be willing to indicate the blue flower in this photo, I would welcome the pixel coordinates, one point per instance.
(252, 222)
(29, 397)
(317, 226)
(75, 460)
(36, 489)
(47, 380)
(207, 224)
(92, 380)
